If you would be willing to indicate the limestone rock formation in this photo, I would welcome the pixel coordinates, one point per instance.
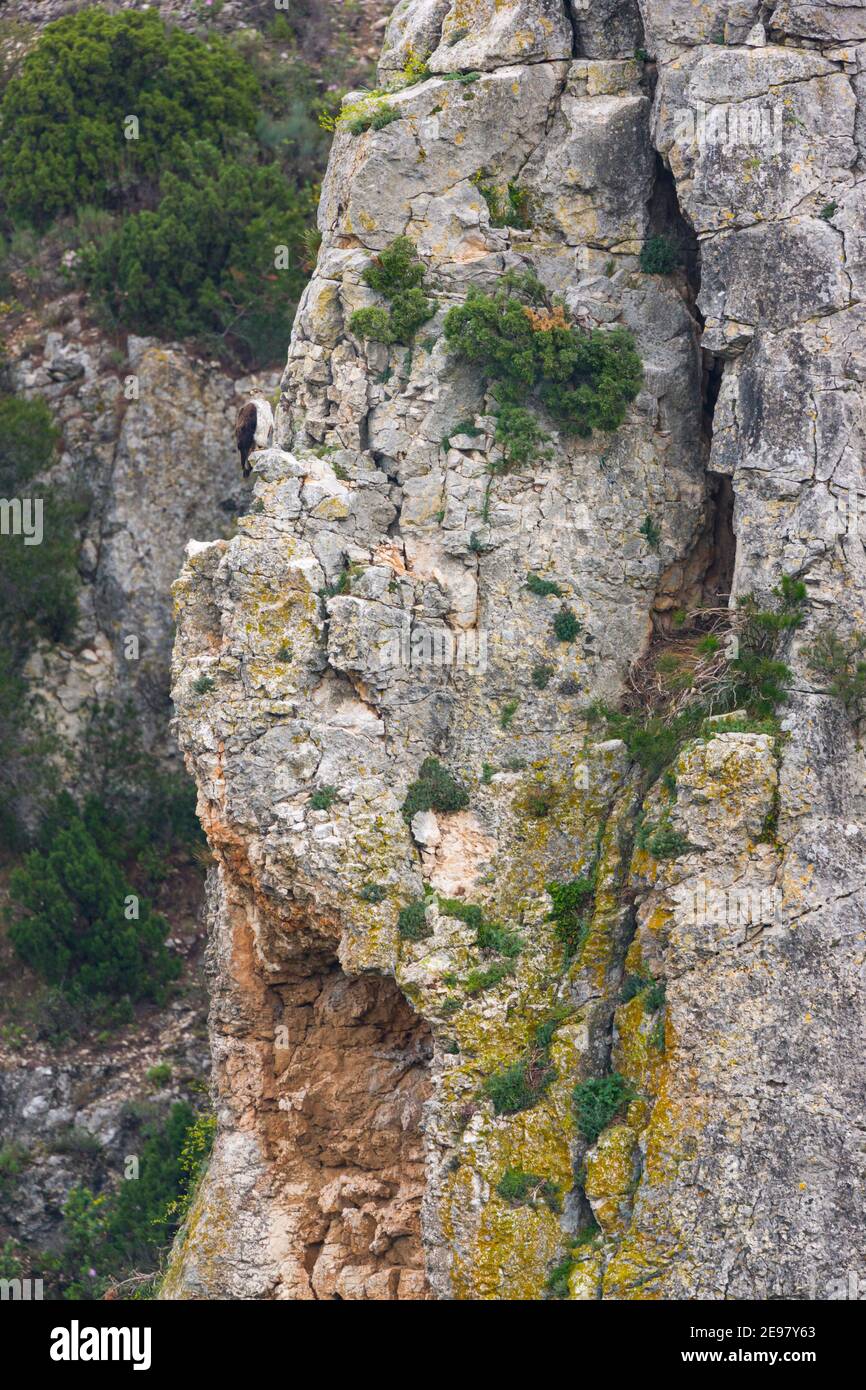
(402, 1006)
(147, 447)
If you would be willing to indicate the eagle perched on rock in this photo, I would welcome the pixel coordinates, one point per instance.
(254, 428)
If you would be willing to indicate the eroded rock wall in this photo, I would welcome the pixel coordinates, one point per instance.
(373, 611)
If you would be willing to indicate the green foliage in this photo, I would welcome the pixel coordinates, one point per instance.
(72, 924)
(181, 231)
(519, 436)
(540, 803)
(341, 586)
(828, 211)
(38, 598)
(370, 112)
(519, 1086)
(842, 663)
(659, 255)
(398, 276)
(542, 587)
(373, 893)
(14, 1160)
(195, 1151)
(761, 681)
(544, 1031)
(323, 798)
(489, 936)
(508, 207)
(541, 676)
(463, 427)
(519, 1188)
(631, 987)
(84, 1218)
(203, 685)
(556, 1285)
(566, 625)
(479, 980)
(654, 999)
(107, 1236)
(507, 713)
(653, 991)
(652, 741)
(74, 1140)
(572, 904)
(528, 351)
(11, 1266)
(412, 921)
(28, 441)
(131, 805)
(203, 263)
(38, 583)
(651, 533)
(435, 790)
(667, 843)
(160, 1075)
(62, 141)
(415, 68)
(598, 1101)
(139, 1223)
(376, 117)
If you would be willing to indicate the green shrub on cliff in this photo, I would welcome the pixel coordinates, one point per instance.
(659, 255)
(531, 354)
(38, 596)
(572, 907)
(598, 1101)
(434, 790)
(518, 1187)
(398, 276)
(38, 583)
(842, 663)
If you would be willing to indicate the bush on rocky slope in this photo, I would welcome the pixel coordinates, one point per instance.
(81, 926)
(109, 1234)
(529, 352)
(202, 264)
(65, 137)
(202, 153)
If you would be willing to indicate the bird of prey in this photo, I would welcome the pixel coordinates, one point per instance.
(254, 428)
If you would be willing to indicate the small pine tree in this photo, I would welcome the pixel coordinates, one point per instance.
(77, 926)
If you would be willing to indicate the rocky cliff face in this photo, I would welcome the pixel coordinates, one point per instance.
(126, 419)
(396, 1105)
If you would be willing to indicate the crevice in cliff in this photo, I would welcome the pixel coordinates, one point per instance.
(665, 218)
(702, 578)
(575, 29)
(691, 591)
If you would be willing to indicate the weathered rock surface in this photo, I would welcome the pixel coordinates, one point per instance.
(146, 444)
(372, 611)
(75, 1119)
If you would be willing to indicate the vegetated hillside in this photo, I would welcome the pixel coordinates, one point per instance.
(140, 299)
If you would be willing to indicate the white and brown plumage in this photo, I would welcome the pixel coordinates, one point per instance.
(253, 429)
